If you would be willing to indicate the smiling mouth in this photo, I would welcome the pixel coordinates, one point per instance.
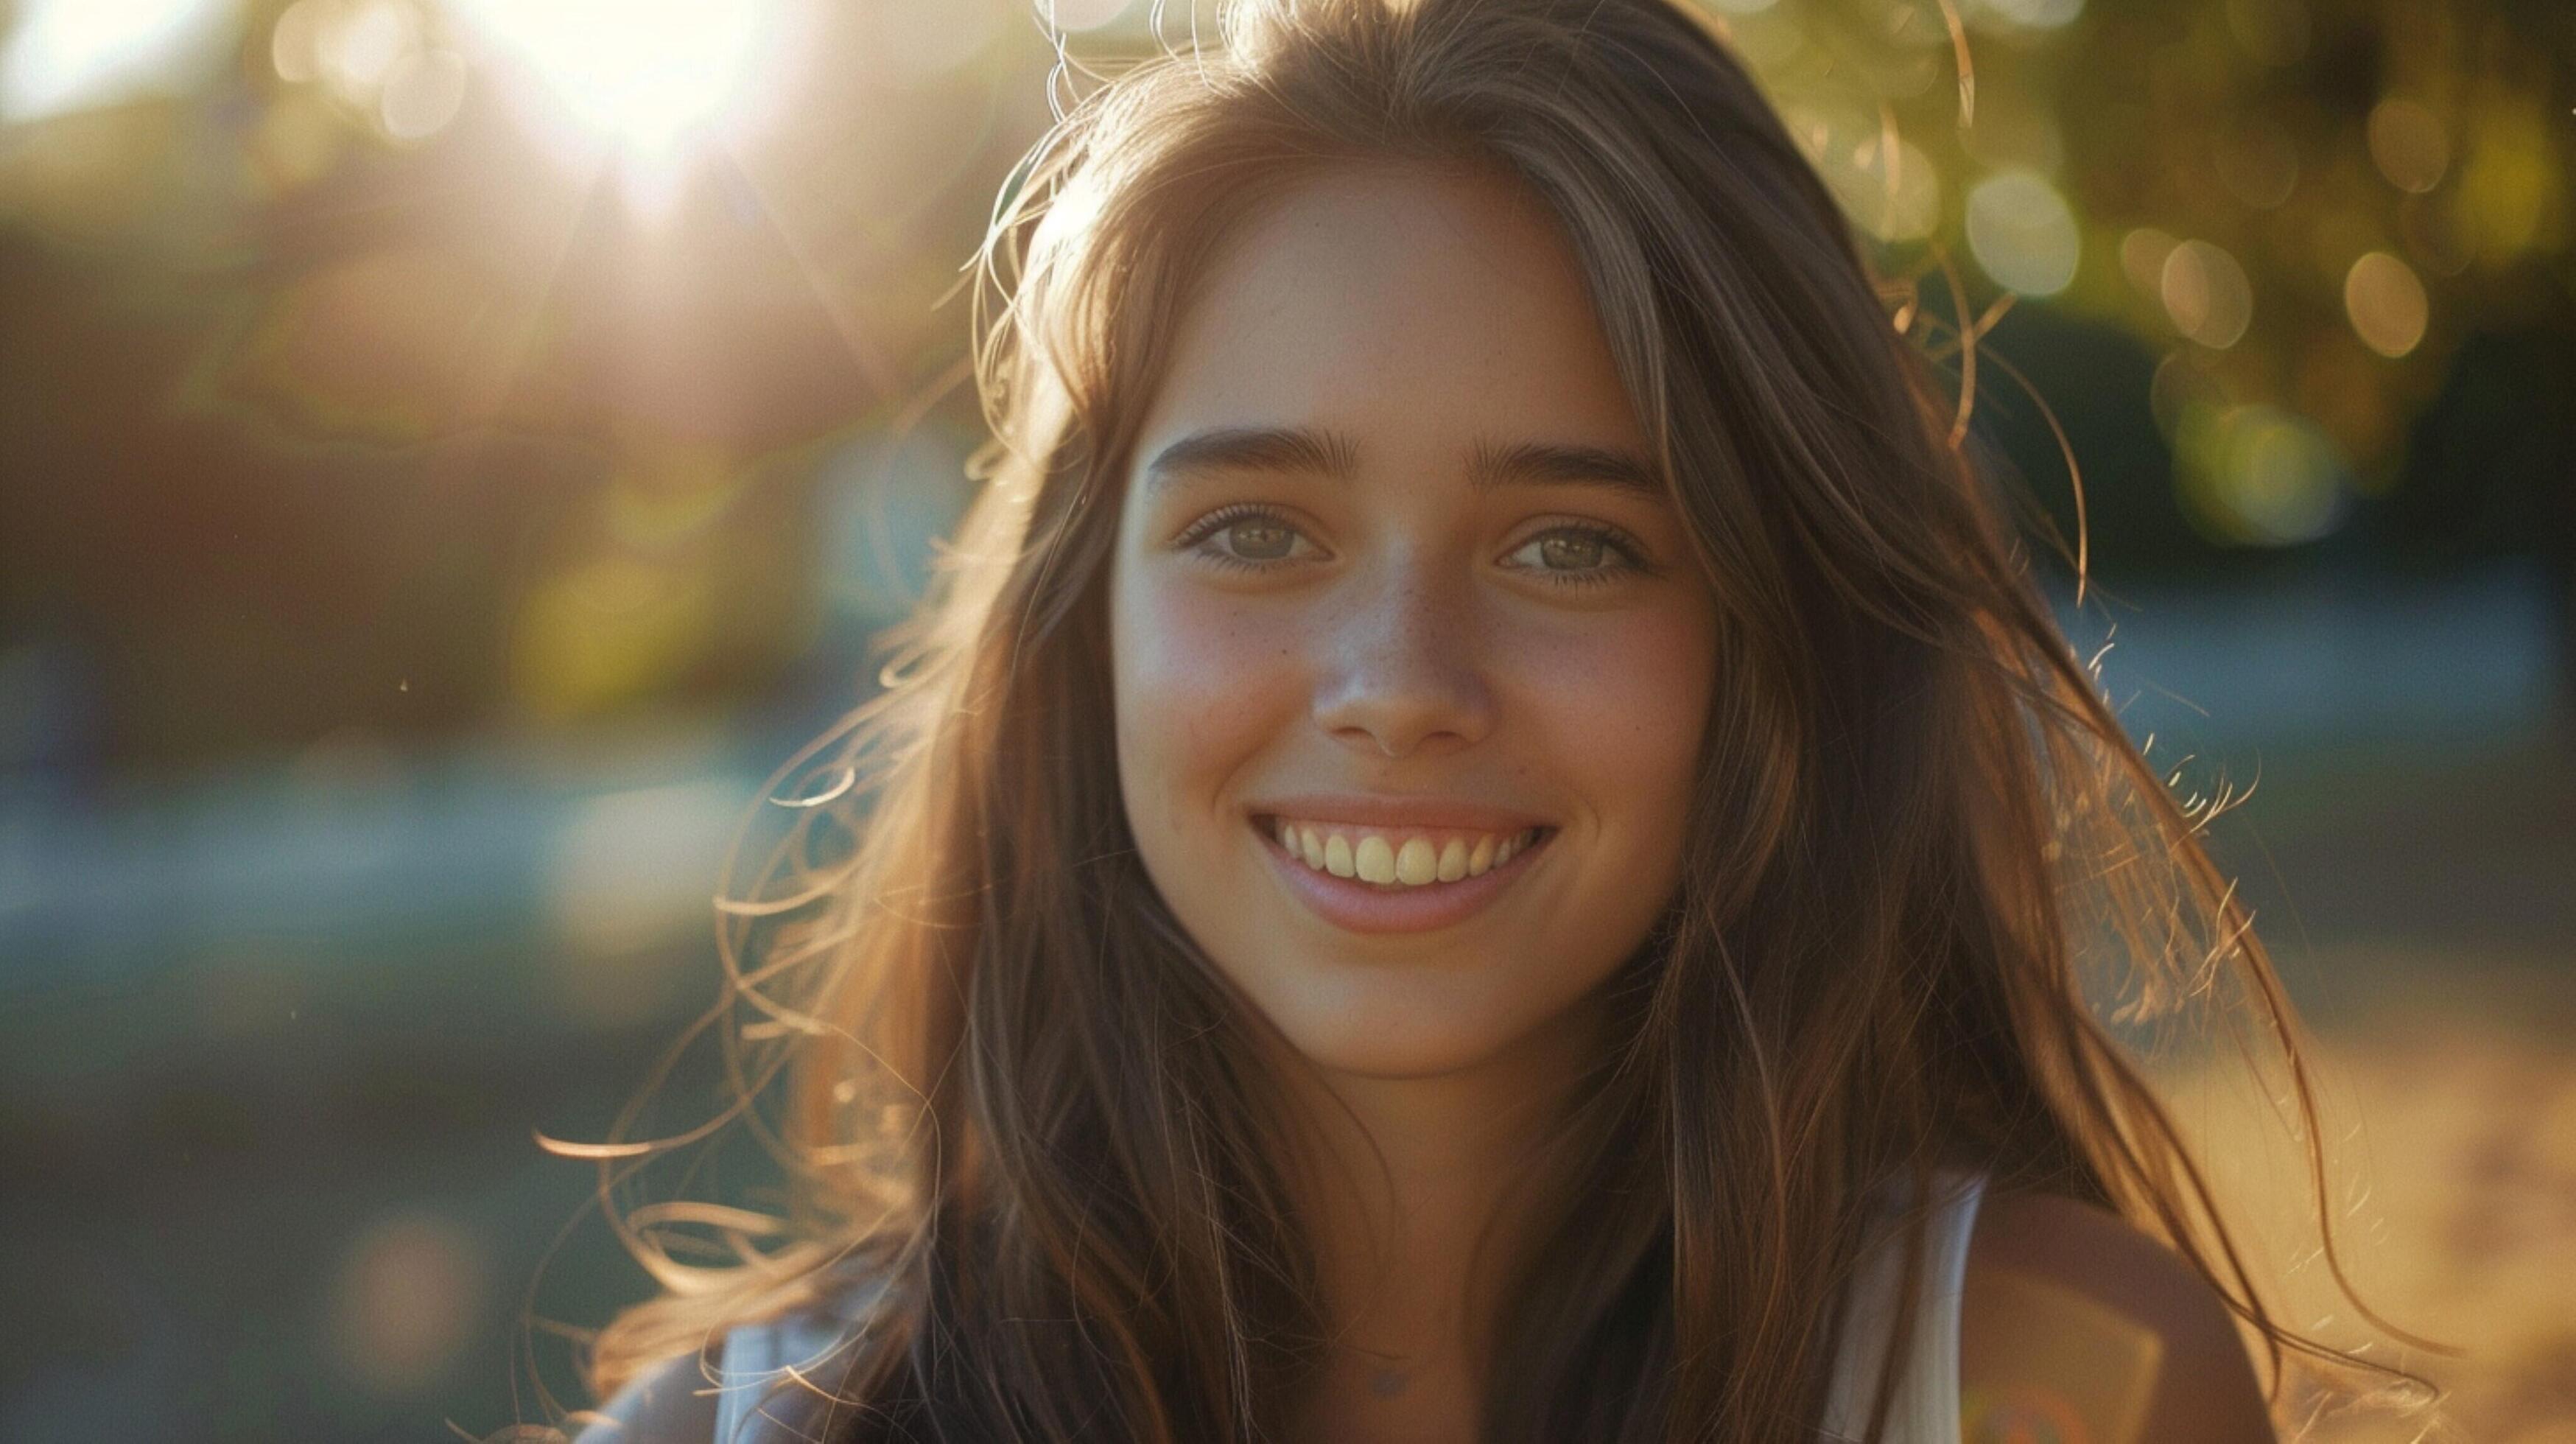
(1396, 859)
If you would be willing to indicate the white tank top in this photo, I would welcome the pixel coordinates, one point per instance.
(1925, 1408)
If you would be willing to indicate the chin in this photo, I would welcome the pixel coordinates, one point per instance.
(1392, 1026)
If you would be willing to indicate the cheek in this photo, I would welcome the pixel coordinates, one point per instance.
(1622, 701)
(1202, 683)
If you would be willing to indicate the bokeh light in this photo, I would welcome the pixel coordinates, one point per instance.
(361, 41)
(405, 1298)
(2386, 303)
(385, 61)
(1898, 201)
(2206, 294)
(2022, 233)
(2513, 181)
(2142, 259)
(2409, 144)
(2434, 235)
(2028, 14)
(422, 94)
(2260, 475)
(295, 41)
(629, 874)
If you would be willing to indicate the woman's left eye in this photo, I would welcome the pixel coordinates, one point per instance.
(1577, 555)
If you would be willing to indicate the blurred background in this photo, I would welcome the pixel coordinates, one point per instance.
(451, 450)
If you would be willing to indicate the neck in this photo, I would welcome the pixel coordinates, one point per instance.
(1419, 1194)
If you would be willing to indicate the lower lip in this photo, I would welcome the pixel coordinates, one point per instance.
(1367, 907)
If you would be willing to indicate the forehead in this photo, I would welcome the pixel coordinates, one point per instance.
(1421, 313)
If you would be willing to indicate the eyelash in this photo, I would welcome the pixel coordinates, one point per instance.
(1632, 557)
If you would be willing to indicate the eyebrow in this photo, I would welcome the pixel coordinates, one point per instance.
(1328, 453)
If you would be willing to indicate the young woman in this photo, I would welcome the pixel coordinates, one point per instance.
(1488, 837)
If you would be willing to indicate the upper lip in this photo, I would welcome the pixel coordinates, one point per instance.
(1379, 810)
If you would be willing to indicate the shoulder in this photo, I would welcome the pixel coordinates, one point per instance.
(2073, 1316)
(735, 1386)
(673, 1402)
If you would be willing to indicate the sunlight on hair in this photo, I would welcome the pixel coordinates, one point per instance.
(67, 55)
(646, 75)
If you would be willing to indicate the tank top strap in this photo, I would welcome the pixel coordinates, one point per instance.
(777, 1371)
(1925, 1405)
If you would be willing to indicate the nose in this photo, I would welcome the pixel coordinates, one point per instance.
(1403, 666)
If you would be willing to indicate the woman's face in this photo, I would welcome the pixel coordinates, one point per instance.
(1393, 571)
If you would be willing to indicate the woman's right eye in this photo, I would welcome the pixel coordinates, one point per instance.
(1246, 537)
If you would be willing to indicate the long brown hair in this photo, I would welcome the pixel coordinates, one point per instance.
(1019, 1103)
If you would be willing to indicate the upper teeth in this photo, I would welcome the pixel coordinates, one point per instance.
(1406, 859)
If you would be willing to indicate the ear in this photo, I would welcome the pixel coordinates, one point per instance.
(2074, 1318)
